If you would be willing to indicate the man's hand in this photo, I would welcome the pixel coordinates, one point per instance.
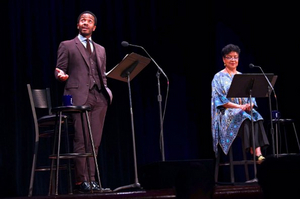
(62, 76)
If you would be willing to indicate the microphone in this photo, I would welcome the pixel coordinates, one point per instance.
(126, 44)
(254, 66)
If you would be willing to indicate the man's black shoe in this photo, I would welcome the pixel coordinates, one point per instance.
(84, 187)
(95, 186)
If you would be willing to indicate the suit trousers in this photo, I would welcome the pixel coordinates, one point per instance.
(98, 103)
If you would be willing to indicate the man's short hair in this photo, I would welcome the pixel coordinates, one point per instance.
(87, 12)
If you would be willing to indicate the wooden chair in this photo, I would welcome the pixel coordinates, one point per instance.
(44, 125)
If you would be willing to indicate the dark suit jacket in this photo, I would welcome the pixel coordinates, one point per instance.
(73, 60)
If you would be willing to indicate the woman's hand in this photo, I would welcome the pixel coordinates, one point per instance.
(246, 107)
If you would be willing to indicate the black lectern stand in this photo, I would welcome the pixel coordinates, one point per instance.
(125, 71)
(251, 85)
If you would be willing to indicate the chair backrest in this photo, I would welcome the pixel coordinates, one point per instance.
(40, 98)
(40, 101)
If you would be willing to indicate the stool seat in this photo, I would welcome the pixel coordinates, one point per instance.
(69, 109)
(282, 120)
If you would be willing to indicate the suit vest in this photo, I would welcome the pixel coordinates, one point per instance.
(93, 70)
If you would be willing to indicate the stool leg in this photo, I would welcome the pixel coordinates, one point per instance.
(285, 139)
(245, 164)
(93, 149)
(279, 140)
(231, 165)
(276, 130)
(58, 153)
(217, 165)
(69, 161)
(86, 148)
(296, 136)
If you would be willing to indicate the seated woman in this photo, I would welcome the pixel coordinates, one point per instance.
(232, 116)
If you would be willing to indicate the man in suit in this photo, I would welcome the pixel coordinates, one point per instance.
(81, 65)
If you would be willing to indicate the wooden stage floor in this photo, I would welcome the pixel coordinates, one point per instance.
(245, 191)
(278, 177)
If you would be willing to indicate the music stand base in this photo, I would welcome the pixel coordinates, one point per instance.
(135, 185)
(254, 180)
(105, 190)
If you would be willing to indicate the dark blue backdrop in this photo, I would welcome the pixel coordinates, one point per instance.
(184, 38)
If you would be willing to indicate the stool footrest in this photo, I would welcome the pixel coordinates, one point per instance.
(241, 162)
(71, 155)
(48, 168)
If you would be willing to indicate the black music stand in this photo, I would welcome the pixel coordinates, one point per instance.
(125, 71)
(251, 85)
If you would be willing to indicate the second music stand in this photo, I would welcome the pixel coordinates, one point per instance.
(125, 71)
(251, 85)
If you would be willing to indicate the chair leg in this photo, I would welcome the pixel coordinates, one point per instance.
(58, 154)
(33, 169)
(296, 136)
(52, 177)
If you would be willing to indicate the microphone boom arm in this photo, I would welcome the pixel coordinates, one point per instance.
(269, 84)
(159, 68)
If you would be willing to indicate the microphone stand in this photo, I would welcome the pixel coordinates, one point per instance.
(159, 96)
(253, 139)
(272, 127)
(159, 99)
(250, 87)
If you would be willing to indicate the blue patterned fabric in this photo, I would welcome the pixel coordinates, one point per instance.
(225, 122)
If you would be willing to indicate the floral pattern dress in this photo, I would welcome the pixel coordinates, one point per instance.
(225, 122)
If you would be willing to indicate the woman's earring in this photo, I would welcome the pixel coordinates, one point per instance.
(224, 64)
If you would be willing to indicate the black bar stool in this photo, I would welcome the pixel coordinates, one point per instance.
(60, 110)
(281, 124)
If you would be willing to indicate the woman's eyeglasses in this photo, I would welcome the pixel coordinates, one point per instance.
(231, 58)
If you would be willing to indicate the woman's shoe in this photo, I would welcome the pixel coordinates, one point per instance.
(260, 159)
